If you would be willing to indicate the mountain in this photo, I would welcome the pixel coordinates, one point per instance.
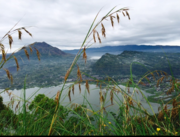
(119, 49)
(120, 64)
(44, 49)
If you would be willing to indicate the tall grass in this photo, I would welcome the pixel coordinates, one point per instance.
(48, 116)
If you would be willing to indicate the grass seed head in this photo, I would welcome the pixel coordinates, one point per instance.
(30, 49)
(11, 79)
(73, 89)
(8, 73)
(87, 86)
(27, 31)
(10, 40)
(94, 37)
(117, 17)
(79, 74)
(84, 54)
(37, 52)
(103, 31)
(112, 22)
(69, 94)
(66, 75)
(19, 34)
(27, 55)
(99, 37)
(79, 88)
(123, 13)
(17, 65)
(57, 96)
(3, 53)
(127, 14)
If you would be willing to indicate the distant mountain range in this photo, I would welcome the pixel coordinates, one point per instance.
(119, 49)
(110, 64)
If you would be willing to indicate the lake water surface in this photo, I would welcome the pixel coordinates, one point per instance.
(79, 98)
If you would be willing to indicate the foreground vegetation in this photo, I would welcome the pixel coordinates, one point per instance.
(47, 116)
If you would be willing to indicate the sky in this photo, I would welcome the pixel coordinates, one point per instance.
(65, 23)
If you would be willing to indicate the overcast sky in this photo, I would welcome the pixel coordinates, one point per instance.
(65, 23)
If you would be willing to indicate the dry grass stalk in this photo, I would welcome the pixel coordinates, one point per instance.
(73, 89)
(19, 34)
(27, 55)
(94, 37)
(79, 88)
(142, 83)
(66, 75)
(27, 31)
(99, 37)
(17, 65)
(165, 73)
(103, 30)
(87, 86)
(7, 72)
(161, 72)
(84, 54)
(79, 74)
(117, 17)
(97, 83)
(10, 40)
(69, 94)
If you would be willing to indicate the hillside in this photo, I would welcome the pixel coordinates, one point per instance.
(120, 64)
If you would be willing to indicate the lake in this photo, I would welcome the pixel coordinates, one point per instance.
(93, 98)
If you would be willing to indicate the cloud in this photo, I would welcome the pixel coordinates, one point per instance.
(64, 24)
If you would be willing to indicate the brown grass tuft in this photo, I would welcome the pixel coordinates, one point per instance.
(103, 30)
(17, 65)
(84, 54)
(10, 40)
(87, 86)
(27, 55)
(153, 76)
(7, 72)
(19, 34)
